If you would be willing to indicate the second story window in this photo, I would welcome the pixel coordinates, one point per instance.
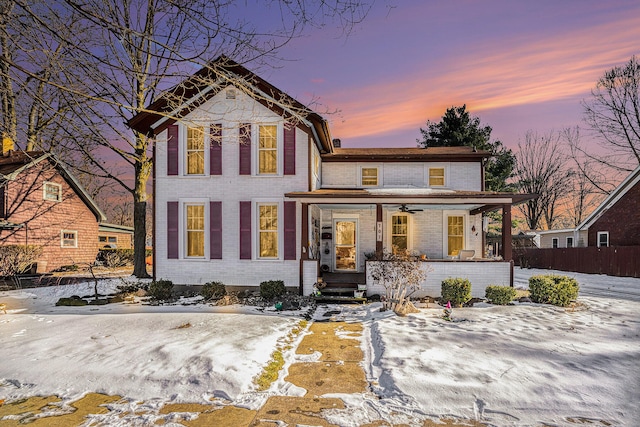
(369, 177)
(267, 149)
(195, 151)
(52, 191)
(436, 177)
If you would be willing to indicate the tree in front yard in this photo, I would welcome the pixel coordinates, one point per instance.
(400, 276)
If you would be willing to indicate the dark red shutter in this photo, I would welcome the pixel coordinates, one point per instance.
(215, 228)
(245, 230)
(172, 230)
(172, 150)
(289, 230)
(245, 149)
(215, 150)
(289, 149)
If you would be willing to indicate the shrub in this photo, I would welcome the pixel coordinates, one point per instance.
(272, 289)
(553, 289)
(72, 301)
(17, 259)
(161, 289)
(213, 290)
(500, 295)
(115, 257)
(457, 290)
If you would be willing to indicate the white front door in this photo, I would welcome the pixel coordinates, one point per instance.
(346, 249)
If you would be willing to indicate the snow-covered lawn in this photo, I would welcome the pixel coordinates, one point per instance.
(520, 365)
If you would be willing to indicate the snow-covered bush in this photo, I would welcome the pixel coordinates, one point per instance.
(457, 290)
(400, 277)
(161, 289)
(213, 290)
(272, 289)
(500, 295)
(553, 289)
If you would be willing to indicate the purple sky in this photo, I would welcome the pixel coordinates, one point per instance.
(518, 65)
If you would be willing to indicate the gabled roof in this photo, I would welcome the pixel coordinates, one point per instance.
(407, 154)
(629, 182)
(17, 161)
(210, 80)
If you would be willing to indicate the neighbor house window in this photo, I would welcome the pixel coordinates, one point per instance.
(195, 230)
(569, 242)
(68, 239)
(369, 176)
(195, 151)
(268, 230)
(399, 233)
(554, 242)
(52, 191)
(603, 239)
(102, 238)
(436, 177)
(455, 235)
(267, 149)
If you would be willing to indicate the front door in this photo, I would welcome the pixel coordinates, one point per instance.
(345, 250)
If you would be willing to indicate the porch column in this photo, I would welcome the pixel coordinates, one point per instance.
(507, 254)
(304, 234)
(378, 231)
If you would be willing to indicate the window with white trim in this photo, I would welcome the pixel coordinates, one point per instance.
(195, 149)
(267, 214)
(436, 177)
(195, 230)
(52, 191)
(369, 177)
(569, 242)
(267, 149)
(603, 239)
(399, 233)
(68, 239)
(554, 242)
(455, 234)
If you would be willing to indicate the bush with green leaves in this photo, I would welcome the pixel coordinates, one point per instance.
(553, 289)
(213, 290)
(500, 295)
(272, 289)
(161, 289)
(457, 290)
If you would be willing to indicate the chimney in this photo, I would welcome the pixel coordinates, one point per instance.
(336, 143)
(7, 145)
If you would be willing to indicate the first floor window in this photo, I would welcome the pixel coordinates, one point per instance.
(399, 233)
(195, 230)
(369, 176)
(268, 149)
(436, 177)
(569, 242)
(268, 230)
(69, 239)
(603, 239)
(554, 242)
(455, 235)
(52, 191)
(195, 151)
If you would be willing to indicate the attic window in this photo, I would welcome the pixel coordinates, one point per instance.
(231, 94)
(52, 191)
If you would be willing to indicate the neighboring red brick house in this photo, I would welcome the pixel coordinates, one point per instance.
(616, 222)
(41, 203)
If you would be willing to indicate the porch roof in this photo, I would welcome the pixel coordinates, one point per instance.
(479, 201)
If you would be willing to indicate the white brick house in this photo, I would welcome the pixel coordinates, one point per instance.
(249, 186)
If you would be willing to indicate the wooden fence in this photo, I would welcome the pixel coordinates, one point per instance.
(614, 261)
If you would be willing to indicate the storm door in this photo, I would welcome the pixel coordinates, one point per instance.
(346, 250)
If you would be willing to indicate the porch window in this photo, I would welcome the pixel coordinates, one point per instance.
(52, 191)
(68, 239)
(369, 177)
(195, 230)
(195, 151)
(436, 177)
(267, 149)
(554, 242)
(603, 239)
(455, 235)
(268, 230)
(399, 233)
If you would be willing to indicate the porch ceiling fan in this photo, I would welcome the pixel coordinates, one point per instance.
(404, 208)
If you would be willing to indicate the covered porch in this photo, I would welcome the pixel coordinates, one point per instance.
(344, 230)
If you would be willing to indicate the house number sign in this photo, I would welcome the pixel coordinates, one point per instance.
(379, 231)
